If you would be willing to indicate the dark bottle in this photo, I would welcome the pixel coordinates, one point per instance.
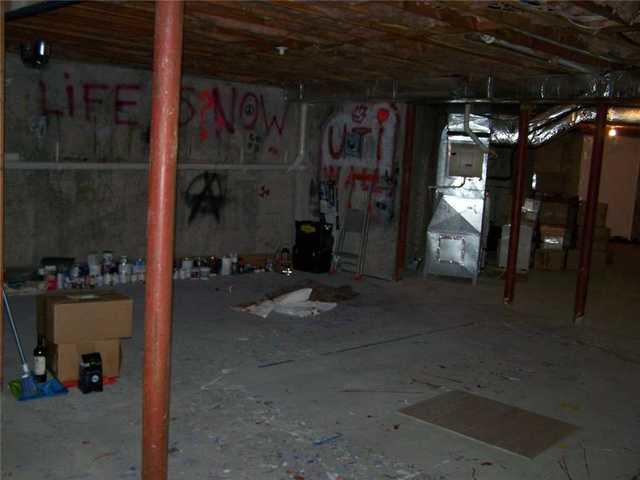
(40, 361)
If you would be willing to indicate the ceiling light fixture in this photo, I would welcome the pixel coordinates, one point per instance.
(281, 49)
(35, 54)
(613, 132)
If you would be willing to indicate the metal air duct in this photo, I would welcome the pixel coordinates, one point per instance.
(557, 121)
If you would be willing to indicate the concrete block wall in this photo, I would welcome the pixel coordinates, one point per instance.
(363, 137)
(75, 113)
(429, 124)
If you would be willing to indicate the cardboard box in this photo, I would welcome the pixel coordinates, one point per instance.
(64, 358)
(600, 238)
(601, 214)
(550, 259)
(553, 237)
(74, 317)
(551, 182)
(256, 260)
(524, 247)
(554, 213)
(559, 212)
(599, 260)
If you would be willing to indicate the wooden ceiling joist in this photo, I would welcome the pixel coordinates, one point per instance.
(350, 44)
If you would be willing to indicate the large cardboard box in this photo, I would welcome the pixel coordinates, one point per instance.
(550, 259)
(601, 214)
(559, 212)
(554, 213)
(64, 358)
(552, 183)
(600, 238)
(75, 317)
(598, 260)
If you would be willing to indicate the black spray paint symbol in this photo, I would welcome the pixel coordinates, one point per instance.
(210, 197)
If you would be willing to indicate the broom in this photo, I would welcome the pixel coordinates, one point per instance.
(28, 383)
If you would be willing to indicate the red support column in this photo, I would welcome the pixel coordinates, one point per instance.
(2, 73)
(405, 190)
(165, 108)
(590, 210)
(516, 205)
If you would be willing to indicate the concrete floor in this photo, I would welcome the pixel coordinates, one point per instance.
(329, 414)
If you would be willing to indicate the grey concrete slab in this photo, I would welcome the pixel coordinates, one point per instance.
(331, 411)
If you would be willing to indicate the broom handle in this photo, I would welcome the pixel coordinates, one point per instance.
(13, 326)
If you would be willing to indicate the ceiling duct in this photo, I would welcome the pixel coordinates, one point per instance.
(556, 121)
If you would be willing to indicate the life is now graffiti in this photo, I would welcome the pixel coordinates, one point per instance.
(214, 110)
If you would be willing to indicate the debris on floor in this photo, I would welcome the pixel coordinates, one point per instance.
(300, 302)
(295, 304)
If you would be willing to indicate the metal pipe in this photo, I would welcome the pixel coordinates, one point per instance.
(2, 125)
(516, 205)
(61, 166)
(590, 209)
(302, 138)
(405, 190)
(165, 108)
(471, 134)
(530, 52)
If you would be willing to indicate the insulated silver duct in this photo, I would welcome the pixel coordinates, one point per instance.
(557, 121)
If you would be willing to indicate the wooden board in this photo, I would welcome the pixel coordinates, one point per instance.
(373, 48)
(497, 424)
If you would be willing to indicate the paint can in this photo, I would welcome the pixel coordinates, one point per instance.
(227, 264)
(92, 262)
(75, 271)
(107, 257)
(205, 272)
(124, 269)
(138, 270)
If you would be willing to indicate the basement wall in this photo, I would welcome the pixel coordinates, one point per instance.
(429, 123)
(74, 113)
(618, 182)
(361, 140)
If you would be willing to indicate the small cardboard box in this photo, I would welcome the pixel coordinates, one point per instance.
(550, 259)
(601, 214)
(599, 260)
(74, 317)
(64, 358)
(554, 212)
(553, 237)
(256, 260)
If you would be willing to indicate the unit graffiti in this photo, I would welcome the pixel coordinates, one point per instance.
(362, 137)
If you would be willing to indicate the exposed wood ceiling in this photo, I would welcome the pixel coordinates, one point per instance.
(357, 46)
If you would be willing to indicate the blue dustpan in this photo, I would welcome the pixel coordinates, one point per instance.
(50, 388)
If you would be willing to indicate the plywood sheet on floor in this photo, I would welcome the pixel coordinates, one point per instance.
(503, 426)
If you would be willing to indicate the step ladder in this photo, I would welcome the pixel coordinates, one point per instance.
(355, 222)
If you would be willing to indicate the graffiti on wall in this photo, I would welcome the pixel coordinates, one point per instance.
(360, 140)
(205, 196)
(213, 111)
(362, 135)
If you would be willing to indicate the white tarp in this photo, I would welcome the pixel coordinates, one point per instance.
(296, 304)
